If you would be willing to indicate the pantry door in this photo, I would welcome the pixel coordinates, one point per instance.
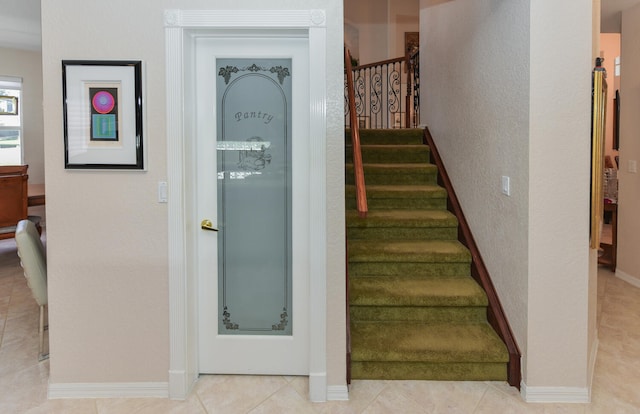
(251, 126)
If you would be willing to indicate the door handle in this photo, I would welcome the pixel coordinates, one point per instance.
(206, 224)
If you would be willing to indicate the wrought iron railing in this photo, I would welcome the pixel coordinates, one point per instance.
(387, 93)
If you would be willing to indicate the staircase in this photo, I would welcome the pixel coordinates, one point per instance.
(415, 311)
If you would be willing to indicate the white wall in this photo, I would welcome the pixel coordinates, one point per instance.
(380, 27)
(28, 66)
(560, 106)
(629, 183)
(474, 99)
(495, 108)
(371, 20)
(404, 16)
(107, 235)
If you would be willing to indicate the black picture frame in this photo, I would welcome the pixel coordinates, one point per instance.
(103, 114)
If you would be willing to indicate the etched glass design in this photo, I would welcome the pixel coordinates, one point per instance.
(254, 196)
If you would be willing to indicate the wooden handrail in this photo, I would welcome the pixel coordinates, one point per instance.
(380, 63)
(361, 192)
(495, 313)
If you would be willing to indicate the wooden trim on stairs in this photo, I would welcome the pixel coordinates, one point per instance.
(348, 312)
(361, 191)
(495, 312)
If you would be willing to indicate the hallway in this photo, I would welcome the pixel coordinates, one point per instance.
(23, 381)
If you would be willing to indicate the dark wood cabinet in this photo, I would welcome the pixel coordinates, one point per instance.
(609, 247)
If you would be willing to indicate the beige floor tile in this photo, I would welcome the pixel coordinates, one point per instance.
(391, 401)
(495, 401)
(83, 406)
(285, 401)
(442, 396)
(24, 389)
(149, 406)
(236, 393)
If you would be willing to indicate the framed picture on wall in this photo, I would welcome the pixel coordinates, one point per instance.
(102, 110)
(411, 42)
(8, 105)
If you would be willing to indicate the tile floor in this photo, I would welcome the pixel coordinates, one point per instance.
(23, 381)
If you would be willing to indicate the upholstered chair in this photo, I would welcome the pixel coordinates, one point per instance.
(34, 262)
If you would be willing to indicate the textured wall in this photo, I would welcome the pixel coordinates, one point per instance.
(475, 100)
(560, 106)
(629, 183)
(107, 234)
(506, 91)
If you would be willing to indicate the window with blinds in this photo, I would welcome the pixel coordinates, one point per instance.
(10, 121)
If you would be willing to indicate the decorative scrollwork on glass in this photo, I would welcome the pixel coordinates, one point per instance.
(226, 320)
(227, 71)
(283, 321)
(281, 71)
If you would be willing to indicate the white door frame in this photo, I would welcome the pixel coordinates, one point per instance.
(181, 26)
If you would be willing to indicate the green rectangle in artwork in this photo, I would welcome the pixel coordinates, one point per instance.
(104, 127)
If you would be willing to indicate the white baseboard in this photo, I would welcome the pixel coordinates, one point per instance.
(109, 390)
(555, 394)
(337, 393)
(628, 278)
(592, 362)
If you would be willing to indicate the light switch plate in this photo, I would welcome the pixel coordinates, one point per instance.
(162, 192)
(506, 185)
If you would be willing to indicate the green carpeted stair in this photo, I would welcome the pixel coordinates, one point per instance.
(415, 311)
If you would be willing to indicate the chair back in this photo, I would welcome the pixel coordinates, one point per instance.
(33, 259)
(14, 198)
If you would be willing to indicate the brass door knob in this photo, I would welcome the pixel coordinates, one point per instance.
(206, 224)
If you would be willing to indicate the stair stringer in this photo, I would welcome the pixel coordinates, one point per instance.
(495, 313)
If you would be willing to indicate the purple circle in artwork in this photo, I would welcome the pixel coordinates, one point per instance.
(103, 102)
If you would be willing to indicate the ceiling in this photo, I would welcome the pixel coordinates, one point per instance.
(20, 21)
(20, 24)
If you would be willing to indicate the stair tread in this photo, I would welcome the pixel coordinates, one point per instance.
(415, 291)
(408, 251)
(411, 341)
(404, 218)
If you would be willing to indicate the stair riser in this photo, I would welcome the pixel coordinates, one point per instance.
(418, 178)
(399, 203)
(429, 371)
(427, 314)
(374, 137)
(400, 233)
(390, 156)
(364, 269)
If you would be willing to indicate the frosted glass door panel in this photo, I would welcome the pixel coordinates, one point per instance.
(254, 196)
